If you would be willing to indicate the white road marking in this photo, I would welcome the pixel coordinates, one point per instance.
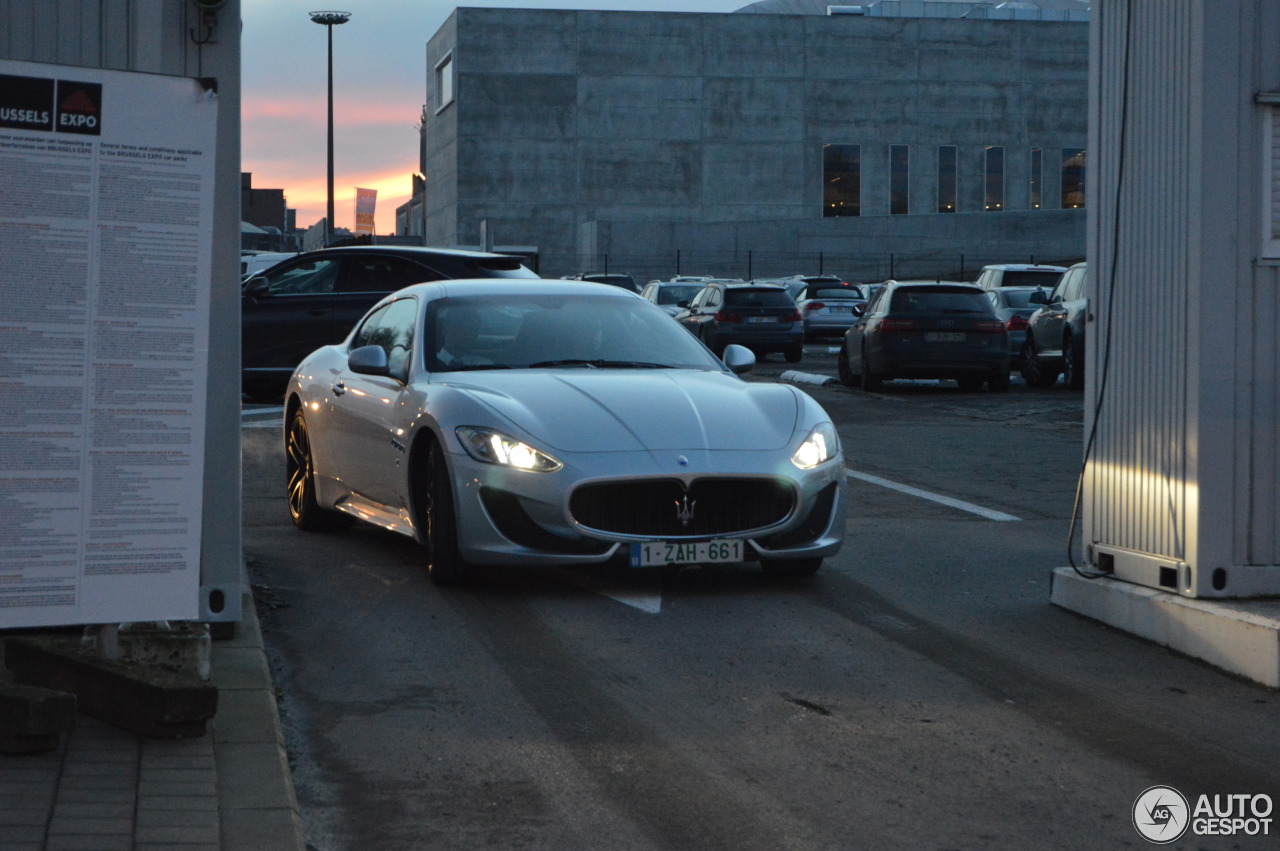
(649, 602)
(988, 513)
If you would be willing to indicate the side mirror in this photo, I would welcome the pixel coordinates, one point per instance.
(683, 305)
(859, 309)
(256, 287)
(739, 359)
(369, 360)
(1038, 297)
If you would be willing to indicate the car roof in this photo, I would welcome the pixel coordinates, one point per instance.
(932, 282)
(1024, 267)
(514, 286)
(408, 251)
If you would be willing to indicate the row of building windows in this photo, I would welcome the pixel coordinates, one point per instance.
(842, 179)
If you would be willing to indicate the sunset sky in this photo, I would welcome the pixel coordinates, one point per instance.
(379, 83)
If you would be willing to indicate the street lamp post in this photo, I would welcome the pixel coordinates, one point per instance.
(330, 20)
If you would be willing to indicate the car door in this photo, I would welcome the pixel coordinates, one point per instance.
(285, 314)
(856, 335)
(368, 436)
(1053, 317)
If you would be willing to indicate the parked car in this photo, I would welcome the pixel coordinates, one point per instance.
(829, 309)
(1055, 334)
(927, 329)
(1014, 306)
(564, 440)
(315, 298)
(761, 317)
(999, 275)
(618, 280)
(257, 262)
(671, 297)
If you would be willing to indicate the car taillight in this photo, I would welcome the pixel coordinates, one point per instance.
(814, 305)
(897, 324)
(1016, 323)
(793, 317)
(726, 316)
(990, 326)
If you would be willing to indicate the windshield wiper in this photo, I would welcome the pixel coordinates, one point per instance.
(470, 367)
(567, 362)
(600, 363)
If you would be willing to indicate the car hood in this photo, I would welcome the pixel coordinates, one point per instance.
(626, 410)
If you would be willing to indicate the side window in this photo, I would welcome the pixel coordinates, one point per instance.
(364, 336)
(1064, 287)
(647, 295)
(1075, 289)
(306, 277)
(372, 274)
(876, 300)
(392, 328)
(701, 298)
(803, 294)
(993, 297)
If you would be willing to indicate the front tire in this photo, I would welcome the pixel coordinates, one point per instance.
(301, 482)
(848, 377)
(794, 355)
(444, 564)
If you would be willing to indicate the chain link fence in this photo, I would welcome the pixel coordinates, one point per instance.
(748, 265)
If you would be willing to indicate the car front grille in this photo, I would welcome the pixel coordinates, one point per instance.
(662, 508)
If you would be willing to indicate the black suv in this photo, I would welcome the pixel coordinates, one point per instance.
(761, 317)
(315, 298)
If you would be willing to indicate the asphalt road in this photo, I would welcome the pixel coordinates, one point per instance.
(919, 692)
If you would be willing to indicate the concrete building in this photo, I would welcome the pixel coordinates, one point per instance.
(898, 141)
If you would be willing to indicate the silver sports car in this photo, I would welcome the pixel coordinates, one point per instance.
(558, 422)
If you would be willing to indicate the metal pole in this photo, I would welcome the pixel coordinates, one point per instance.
(328, 224)
(328, 20)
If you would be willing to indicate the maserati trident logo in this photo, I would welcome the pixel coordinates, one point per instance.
(684, 510)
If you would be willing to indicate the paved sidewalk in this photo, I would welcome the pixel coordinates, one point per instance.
(105, 789)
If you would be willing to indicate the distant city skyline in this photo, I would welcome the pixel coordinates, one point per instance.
(379, 81)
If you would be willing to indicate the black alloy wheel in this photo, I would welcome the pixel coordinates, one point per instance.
(1034, 372)
(300, 476)
(1072, 364)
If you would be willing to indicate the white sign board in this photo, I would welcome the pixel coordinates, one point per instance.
(106, 212)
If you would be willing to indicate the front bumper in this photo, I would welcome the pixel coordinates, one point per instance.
(510, 517)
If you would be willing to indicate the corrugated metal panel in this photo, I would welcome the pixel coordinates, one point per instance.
(1261, 473)
(137, 35)
(1138, 498)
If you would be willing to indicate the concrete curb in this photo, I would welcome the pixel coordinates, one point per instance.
(256, 801)
(795, 377)
(1240, 636)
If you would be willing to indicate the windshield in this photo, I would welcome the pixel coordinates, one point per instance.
(757, 298)
(675, 295)
(516, 332)
(837, 292)
(939, 300)
(1030, 278)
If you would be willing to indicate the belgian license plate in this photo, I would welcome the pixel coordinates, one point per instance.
(762, 319)
(842, 310)
(653, 553)
(944, 336)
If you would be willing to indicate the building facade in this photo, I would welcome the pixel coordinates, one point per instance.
(872, 145)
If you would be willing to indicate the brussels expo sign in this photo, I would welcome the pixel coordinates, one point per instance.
(107, 221)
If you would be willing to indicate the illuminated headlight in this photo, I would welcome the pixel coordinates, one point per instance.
(821, 445)
(494, 447)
